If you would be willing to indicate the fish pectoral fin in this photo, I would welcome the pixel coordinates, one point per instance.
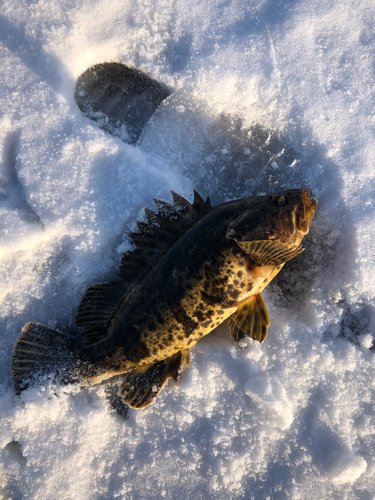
(268, 253)
(141, 386)
(250, 320)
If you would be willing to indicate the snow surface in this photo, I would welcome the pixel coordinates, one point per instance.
(267, 95)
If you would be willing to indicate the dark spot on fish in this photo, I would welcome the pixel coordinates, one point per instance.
(170, 337)
(242, 284)
(190, 342)
(265, 280)
(180, 337)
(206, 323)
(210, 312)
(240, 274)
(236, 282)
(235, 294)
(200, 316)
(251, 286)
(278, 267)
(259, 287)
(220, 311)
(213, 299)
(231, 303)
(230, 287)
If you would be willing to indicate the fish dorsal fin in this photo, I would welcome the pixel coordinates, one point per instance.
(96, 309)
(162, 227)
(268, 253)
(199, 204)
(100, 302)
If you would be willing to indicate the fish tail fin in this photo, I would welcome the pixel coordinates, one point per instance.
(141, 386)
(41, 350)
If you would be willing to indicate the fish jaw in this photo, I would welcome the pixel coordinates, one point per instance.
(282, 217)
(293, 222)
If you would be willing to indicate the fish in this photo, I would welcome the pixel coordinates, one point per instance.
(193, 267)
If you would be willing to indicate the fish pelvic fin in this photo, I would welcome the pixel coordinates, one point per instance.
(250, 320)
(41, 350)
(141, 386)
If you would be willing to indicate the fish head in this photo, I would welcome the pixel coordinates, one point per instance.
(281, 217)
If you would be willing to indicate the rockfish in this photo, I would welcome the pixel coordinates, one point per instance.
(193, 267)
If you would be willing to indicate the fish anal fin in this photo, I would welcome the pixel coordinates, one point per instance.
(268, 253)
(250, 320)
(183, 361)
(141, 386)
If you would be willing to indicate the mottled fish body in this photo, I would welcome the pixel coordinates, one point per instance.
(194, 267)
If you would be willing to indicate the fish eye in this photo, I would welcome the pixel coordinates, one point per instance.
(280, 200)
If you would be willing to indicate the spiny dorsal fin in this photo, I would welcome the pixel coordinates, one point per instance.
(199, 204)
(100, 302)
(179, 201)
(161, 229)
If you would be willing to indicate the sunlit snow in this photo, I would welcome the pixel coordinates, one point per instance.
(266, 95)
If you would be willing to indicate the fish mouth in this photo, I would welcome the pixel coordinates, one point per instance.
(304, 212)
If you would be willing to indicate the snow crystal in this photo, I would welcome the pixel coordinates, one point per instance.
(265, 96)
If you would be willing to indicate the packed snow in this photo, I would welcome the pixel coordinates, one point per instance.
(265, 96)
